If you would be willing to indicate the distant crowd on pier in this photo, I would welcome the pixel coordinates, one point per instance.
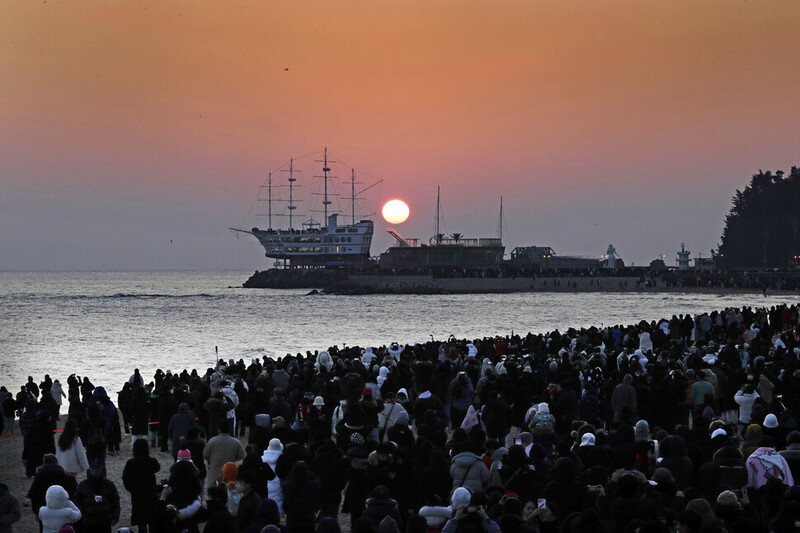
(788, 281)
(688, 424)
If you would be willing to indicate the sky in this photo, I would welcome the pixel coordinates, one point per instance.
(133, 134)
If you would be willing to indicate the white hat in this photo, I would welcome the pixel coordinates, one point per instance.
(461, 497)
(770, 421)
(587, 439)
(719, 432)
(275, 445)
(319, 402)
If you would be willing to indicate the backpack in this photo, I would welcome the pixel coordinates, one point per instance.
(543, 424)
(95, 437)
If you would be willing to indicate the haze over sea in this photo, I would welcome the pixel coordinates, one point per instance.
(103, 324)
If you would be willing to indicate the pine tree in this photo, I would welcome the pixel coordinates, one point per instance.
(762, 229)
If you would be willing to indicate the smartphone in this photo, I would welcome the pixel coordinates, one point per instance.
(541, 504)
(517, 440)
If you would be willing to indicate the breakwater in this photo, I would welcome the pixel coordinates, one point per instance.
(354, 282)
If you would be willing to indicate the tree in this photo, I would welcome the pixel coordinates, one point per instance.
(763, 226)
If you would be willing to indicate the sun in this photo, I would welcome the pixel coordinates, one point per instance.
(395, 211)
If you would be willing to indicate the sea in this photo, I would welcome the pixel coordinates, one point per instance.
(105, 324)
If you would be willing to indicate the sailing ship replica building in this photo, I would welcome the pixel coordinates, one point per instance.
(316, 246)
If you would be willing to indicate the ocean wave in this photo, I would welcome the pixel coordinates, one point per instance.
(155, 296)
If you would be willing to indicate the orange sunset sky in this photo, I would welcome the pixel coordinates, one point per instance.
(133, 133)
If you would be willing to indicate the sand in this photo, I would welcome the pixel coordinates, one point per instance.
(12, 474)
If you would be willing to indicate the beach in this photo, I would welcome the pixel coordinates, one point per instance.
(14, 475)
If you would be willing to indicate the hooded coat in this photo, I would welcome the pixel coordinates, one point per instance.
(274, 485)
(57, 392)
(48, 475)
(266, 514)
(624, 396)
(468, 470)
(58, 511)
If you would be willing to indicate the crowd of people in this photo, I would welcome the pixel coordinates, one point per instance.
(686, 424)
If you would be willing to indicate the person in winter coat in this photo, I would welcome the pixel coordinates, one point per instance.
(57, 392)
(267, 514)
(226, 388)
(330, 465)
(270, 457)
(217, 409)
(9, 509)
(98, 500)
(261, 431)
(765, 463)
(220, 450)
(109, 417)
(248, 504)
(263, 472)
(184, 485)
(380, 505)
(139, 414)
(675, 458)
(179, 426)
(565, 491)
(624, 399)
(195, 443)
(388, 416)
(459, 396)
(745, 398)
(468, 470)
(48, 474)
(38, 439)
(48, 403)
(301, 498)
(139, 478)
(125, 401)
(58, 511)
(70, 451)
(218, 518)
(356, 491)
(792, 453)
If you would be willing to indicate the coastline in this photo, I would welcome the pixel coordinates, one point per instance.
(342, 283)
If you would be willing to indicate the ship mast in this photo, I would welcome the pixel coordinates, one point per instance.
(353, 194)
(438, 235)
(269, 201)
(292, 179)
(500, 224)
(325, 170)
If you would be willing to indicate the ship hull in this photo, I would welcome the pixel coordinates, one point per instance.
(330, 246)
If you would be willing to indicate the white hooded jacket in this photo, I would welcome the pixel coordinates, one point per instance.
(58, 511)
(274, 485)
